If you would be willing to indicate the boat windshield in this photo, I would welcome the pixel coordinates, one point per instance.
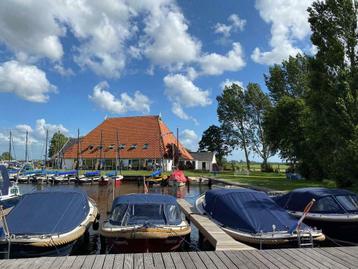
(145, 214)
(349, 202)
(326, 205)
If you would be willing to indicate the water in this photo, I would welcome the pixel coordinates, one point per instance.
(103, 197)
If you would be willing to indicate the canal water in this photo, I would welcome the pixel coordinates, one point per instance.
(103, 197)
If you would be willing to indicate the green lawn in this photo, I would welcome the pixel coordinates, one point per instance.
(274, 181)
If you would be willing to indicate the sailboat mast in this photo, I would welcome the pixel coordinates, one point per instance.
(78, 151)
(46, 145)
(177, 151)
(117, 153)
(26, 142)
(10, 139)
(101, 151)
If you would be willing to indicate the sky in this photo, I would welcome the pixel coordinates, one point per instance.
(70, 64)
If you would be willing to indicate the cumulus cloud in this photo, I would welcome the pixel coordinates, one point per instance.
(108, 102)
(216, 64)
(189, 139)
(41, 127)
(235, 24)
(26, 81)
(289, 24)
(229, 82)
(63, 71)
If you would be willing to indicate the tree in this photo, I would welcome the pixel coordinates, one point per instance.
(257, 103)
(58, 140)
(5, 156)
(232, 115)
(213, 140)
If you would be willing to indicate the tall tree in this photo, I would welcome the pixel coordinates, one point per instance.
(232, 115)
(5, 156)
(58, 140)
(213, 140)
(257, 103)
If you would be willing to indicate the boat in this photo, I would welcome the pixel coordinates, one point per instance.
(47, 223)
(64, 177)
(177, 179)
(10, 192)
(156, 177)
(89, 177)
(104, 180)
(144, 223)
(335, 211)
(252, 217)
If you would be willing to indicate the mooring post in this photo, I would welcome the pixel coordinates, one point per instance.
(210, 183)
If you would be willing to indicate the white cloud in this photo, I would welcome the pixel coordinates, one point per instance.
(289, 24)
(216, 64)
(236, 24)
(26, 81)
(181, 90)
(24, 128)
(59, 68)
(229, 82)
(108, 102)
(41, 127)
(189, 139)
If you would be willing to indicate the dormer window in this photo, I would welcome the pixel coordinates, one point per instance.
(111, 146)
(133, 146)
(100, 147)
(90, 147)
(122, 146)
(145, 146)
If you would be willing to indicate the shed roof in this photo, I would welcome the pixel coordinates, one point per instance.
(205, 156)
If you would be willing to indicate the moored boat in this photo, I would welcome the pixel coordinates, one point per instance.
(89, 177)
(47, 223)
(156, 177)
(144, 223)
(109, 177)
(335, 211)
(177, 179)
(10, 192)
(254, 218)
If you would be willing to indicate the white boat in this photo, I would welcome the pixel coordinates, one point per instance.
(10, 192)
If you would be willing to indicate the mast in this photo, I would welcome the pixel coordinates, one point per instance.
(177, 147)
(10, 140)
(78, 151)
(26, 142)
(101, 151)
(46, 145)
(117, 154)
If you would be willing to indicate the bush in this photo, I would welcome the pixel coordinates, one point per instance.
(266, 167)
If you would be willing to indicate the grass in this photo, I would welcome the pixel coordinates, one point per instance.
(274, 181)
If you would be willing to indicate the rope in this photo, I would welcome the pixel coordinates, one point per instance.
(337, 242)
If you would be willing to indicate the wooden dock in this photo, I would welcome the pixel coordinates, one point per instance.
(338, 258)
(211, 231)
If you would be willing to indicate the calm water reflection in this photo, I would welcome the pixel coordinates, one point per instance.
(103, 196)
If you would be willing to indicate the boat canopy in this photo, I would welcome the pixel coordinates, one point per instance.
(92, 174)
(66, 173)
(145, 209)
(178, 176)
(248, 211)
(335, 201)
(48, 212)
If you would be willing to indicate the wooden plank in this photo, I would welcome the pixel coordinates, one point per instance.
(77, 264)
(118, 261)
(138, 261)
(294, 256)
(88, 262)
(168, 261)
(108, 261)
(287, 257)
(347, 259)
(350, 250)
(321, 259)
(301, 256)
(158, 260)
(280, 260)
(240, 255)
(178, 262)
(255, 260)
(128, 261)
(332, 258)
(188, 262)
(206, 260)
(215, 259)
(266, 260)
(196, 260)
(235, 260)
(67, 262)
(228, 263)
(148, 261)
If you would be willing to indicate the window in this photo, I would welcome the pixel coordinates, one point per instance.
(122, 146)
(133, 146)
(118, 214)
(349, 202)
(145, 146)
(90, 146)
(111, 146)
(326, 205)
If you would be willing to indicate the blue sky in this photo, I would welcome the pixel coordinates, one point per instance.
(67, 66)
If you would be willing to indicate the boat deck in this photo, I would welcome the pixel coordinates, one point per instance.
(340, 258)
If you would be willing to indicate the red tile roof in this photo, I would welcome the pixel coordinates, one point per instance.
(137, 131)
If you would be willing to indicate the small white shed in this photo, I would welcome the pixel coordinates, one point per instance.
(203, 160)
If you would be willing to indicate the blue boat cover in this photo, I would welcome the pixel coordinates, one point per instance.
(92, 174)
(48, 212)
(111, 174)
(156, 173)
(66, 173)
(6, 180)
(247, 211)
(145, 209)
(297, 199)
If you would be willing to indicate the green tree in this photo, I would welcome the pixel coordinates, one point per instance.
(58, 140)
(257, 103)
(213, 140)
(5, 156)
(232, 115)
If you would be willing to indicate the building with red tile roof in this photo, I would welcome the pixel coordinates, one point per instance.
(142, 142)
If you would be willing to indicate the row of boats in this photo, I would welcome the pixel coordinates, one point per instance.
(53, 222)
